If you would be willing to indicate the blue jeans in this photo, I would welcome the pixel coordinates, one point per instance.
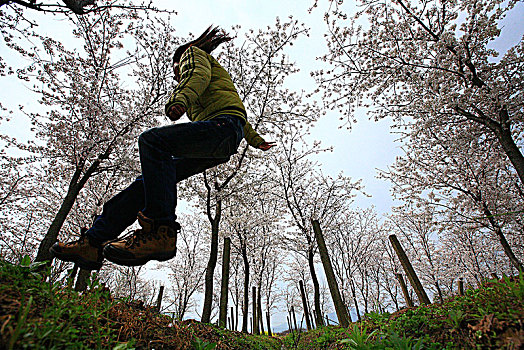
(168, 155)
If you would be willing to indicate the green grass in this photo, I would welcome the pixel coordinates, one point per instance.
(35, 314)
(40, 315)
(491, 317)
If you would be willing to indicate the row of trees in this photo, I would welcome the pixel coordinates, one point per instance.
(456, 107)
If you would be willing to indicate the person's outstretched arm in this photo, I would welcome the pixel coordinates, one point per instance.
(255, 140)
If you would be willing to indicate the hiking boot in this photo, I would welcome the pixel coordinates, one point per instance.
(151, 242)
(86, 255)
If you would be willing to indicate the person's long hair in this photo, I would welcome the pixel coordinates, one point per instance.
(209, 40)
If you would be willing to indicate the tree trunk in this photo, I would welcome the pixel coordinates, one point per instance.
(340, 308)
(461, 287)
(294, 318)
(233, 320)
(245, 307)
(502, 239)
(75, 186)
(439, 291)
(77, 6)
(353, 291)
(410, 272)
(52, 233)
(509, 146)
(304, 305)
(236, 317)
(222, 318)
(158, 305)
(319, 320)
(255, 318)
(404, 288)
(81, 280)
(260, 316)
(211, 264)
(268, 318)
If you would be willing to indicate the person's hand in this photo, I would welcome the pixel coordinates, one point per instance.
(175, 112)
(264, 146)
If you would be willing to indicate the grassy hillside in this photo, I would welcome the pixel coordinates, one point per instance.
(491, 317)
(38, 315)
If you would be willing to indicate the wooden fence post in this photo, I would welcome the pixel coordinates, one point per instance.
(404, 288)
(340, 308)
(81, 280)
(410, 272)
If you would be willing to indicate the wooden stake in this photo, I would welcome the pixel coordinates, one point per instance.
(410, 272)
(340, 308)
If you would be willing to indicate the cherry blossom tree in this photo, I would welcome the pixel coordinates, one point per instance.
(87, 120)
(420, 62)
(19, 193)
(254, 220)
(308, 195)
(129, 282)
(92, 120)
(359, 257)
(187, 269)
(467, 181)
(297, 269)
(78, 7)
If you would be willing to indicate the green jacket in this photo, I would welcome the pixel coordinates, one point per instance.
(207, 91)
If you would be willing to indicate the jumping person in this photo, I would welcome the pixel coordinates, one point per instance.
(168, 155)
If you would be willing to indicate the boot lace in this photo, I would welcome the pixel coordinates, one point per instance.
(134, 238)
(80, 241)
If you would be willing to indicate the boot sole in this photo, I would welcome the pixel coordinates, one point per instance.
(81, 262)
(115, 255)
